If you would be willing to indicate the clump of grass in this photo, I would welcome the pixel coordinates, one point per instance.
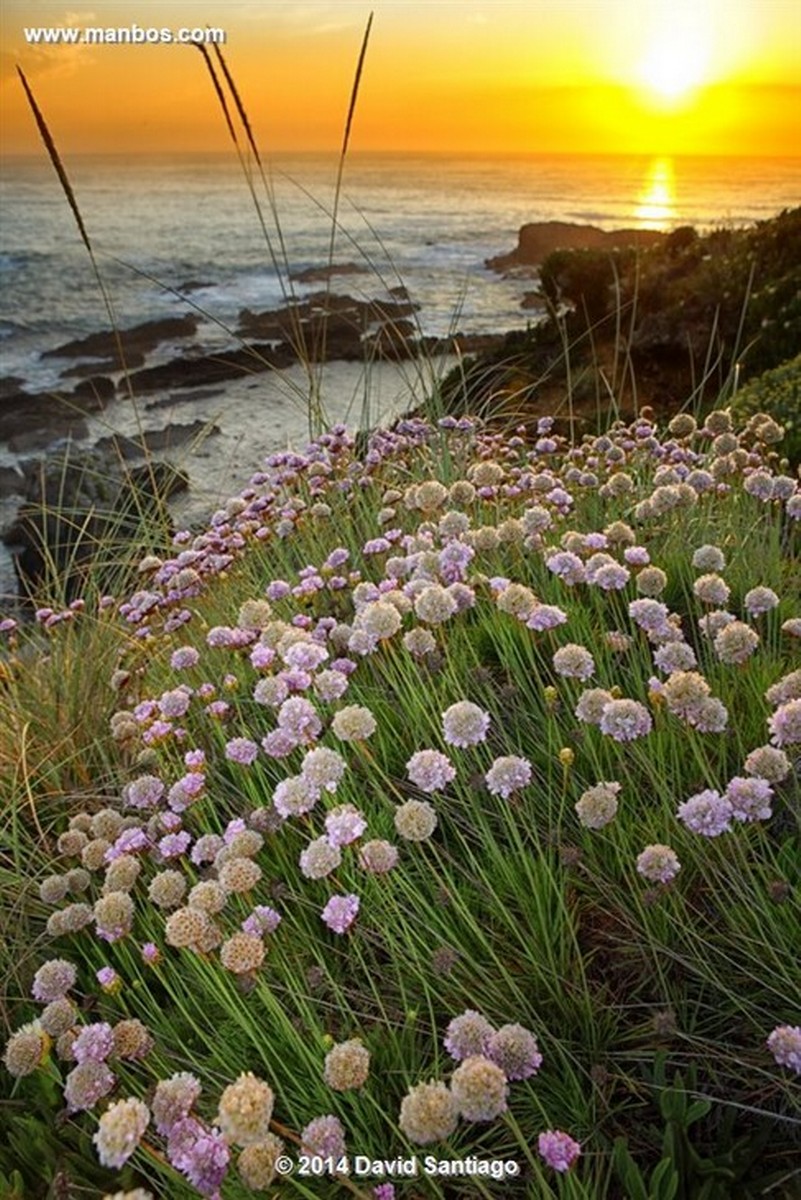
(360, 724)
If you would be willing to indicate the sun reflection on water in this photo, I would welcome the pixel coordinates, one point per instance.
(656, 201)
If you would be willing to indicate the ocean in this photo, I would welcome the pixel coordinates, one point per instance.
(425, 222)
(177, 235)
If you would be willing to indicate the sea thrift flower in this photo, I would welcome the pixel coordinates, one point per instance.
(26, 1049)
(625, 720)
(591, 705)
(173, 1100)
(430, 771)
(468, 1035)
(256, 1163)
(320, 858)
(574, 662)
(760, 600)
(508, 774)
(86, 1084)
(132, 1040)
(353, 724)
(69, 919)
(545, 616)
(324, 1136)
(200, 1154)
(479, 1089)
(768, 763)
(378, 857)
(186, 927)
(144, 792)
(242, 953)
(784, 1044)
(750, 799)
(295, 796)
(434, 604)
(597, 806)
(558, 1149)
(514, 1049)
(659, 864)
(167, 889)
(298, 717)
(262, 920)
(94, 1043)
(415, 820)
(184, 657)
(787, 688)
(736, 642)
(465, 724)
(245, 1110)
(707, 813)
(709, 558)
(114, 916)
(324, 768)
(241, 750)
(785, 724)
(59, 1016)
(53, 980)
(675, 656)
(347, 1065)
(239, 875)
(344, 825)
(712, 590)
(120, 1131)
(340, 912)
(428, 1113)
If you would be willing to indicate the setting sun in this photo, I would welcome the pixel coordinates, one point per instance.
(671, 72)
(678, 57)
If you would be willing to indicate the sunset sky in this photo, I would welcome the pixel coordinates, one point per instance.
(534, 76)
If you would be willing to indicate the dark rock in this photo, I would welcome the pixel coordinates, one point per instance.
(211, 368)
(536, 241)
(98, 387)
(140, 339)
(11, 385)
(79, 511)
(58, 430)
(12, 482)
(49, 415)
(194, 285)
(315, 274)
(534, 300)
(184, 398)
(155, 440)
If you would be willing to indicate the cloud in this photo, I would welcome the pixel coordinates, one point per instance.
(61, 60)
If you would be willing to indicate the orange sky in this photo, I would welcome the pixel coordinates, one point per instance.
(645, 76)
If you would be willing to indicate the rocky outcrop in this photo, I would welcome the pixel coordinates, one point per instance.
(155, 441)
(539, 239)
(33, 420)
(320, 274)
(139, 339)
(80, 510)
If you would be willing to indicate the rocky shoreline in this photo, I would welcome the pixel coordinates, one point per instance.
(162, 359)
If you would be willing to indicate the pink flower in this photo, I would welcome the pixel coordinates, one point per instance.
(340, 912)
(558, 1149)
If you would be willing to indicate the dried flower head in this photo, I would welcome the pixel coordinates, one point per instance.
(479, 1089)
(428, 1113)
(245, 1110)
(415, 820)
(347, 1065)
(120, 1130)
(256, 1163)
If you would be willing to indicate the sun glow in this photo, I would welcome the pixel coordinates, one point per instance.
(679, 57)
